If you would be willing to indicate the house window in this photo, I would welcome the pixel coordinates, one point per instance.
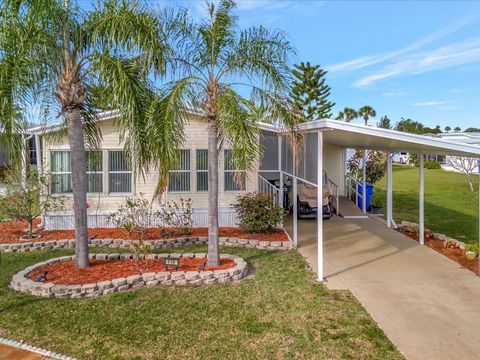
(94, 164)
(61, 169)
(179, 177)
(202, 170)
(234, 177)
(119, 173)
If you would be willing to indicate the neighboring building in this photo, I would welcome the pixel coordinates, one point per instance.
(467, 138)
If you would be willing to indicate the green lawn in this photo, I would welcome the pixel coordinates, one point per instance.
(450, 207)
(280, 313)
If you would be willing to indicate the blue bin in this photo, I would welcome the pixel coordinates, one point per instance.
(368, 197)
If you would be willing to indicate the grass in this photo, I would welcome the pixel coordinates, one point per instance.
(280, 313)
(450, 207)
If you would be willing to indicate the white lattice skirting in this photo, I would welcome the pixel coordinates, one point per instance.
(62, 221)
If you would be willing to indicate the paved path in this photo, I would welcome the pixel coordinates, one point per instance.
(427, 305)
(11, 353)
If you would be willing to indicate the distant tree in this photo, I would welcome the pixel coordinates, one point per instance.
(448, 129)
(376, 165)
(366, 112)
(465, 165)
(457, 129)
(410, 126)
(472, 129)
(428, 130)
(348, 114)
(384, 123)
(309, 92)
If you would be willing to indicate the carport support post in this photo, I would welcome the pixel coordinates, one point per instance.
(295, 200)
(364, 190)
(421, 208)
(320, 208)
(389, 190)
(280, 185)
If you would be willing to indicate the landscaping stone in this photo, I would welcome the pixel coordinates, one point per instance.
(21, 282)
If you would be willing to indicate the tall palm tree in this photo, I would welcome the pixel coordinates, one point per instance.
(213, 62)
(366, 112)
(51, 49)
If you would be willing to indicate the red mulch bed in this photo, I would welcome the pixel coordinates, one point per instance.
(65, 273)
(11, 231)
(457, 255)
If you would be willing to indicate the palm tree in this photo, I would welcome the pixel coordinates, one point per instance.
(51, 49)
(367, 112)
(212, 61)
(348, 114)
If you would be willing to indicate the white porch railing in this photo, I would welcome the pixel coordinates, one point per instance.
(335, 195)
(266, 187)
(352, 185)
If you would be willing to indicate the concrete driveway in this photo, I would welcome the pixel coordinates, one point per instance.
(427, 304)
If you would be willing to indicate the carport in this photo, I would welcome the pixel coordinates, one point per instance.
(323, 157)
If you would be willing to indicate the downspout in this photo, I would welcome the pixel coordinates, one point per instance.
(38, 154)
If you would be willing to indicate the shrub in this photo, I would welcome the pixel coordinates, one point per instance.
(258, 213)
(135, 216)
(376, 165)
(377, 200)
(473, 246)
(27, 196)
(178, 215)
(450, 244)
(431, 165)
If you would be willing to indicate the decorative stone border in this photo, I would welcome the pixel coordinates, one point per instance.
(439, 236)
(155, 244)
(34, 349)
(174, 278)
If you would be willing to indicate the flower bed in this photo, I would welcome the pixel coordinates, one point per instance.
(112, 273)
(11, 231)
(451, 248)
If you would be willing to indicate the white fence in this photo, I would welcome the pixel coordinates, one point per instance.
(227, 217)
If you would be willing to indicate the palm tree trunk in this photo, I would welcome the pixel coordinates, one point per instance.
(213, 244)
(79, 186)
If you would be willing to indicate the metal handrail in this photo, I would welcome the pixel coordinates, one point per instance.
(335, 194)
(265, 187)
(350, 184)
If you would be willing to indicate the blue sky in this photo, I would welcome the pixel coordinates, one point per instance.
(412, 59)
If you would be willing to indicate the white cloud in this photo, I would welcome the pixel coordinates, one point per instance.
(394, 93)
(448, 56)
(429, 103)
(367, 61)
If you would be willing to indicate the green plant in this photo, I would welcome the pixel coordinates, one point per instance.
(27, 196)
(376, 200)
(178, 215)
(258, 213)
(309, 92)
(431, 165)
(376, 165)
(135, 216)
(139, 248)
(473, 247)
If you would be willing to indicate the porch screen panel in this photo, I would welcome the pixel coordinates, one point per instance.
(202, 170)
(269, 158)
(179, 177)
(119, 173)
(311, 151)
(94, 160)
(287, 159)
(60, 166)
(234, 178)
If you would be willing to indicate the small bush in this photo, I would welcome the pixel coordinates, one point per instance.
(472, 247)
(178, 215)
(432, 165)
(377, 200)
(135, 216)
(258, 213)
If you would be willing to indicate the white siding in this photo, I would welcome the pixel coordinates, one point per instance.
(196, 138)
(334, 165)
